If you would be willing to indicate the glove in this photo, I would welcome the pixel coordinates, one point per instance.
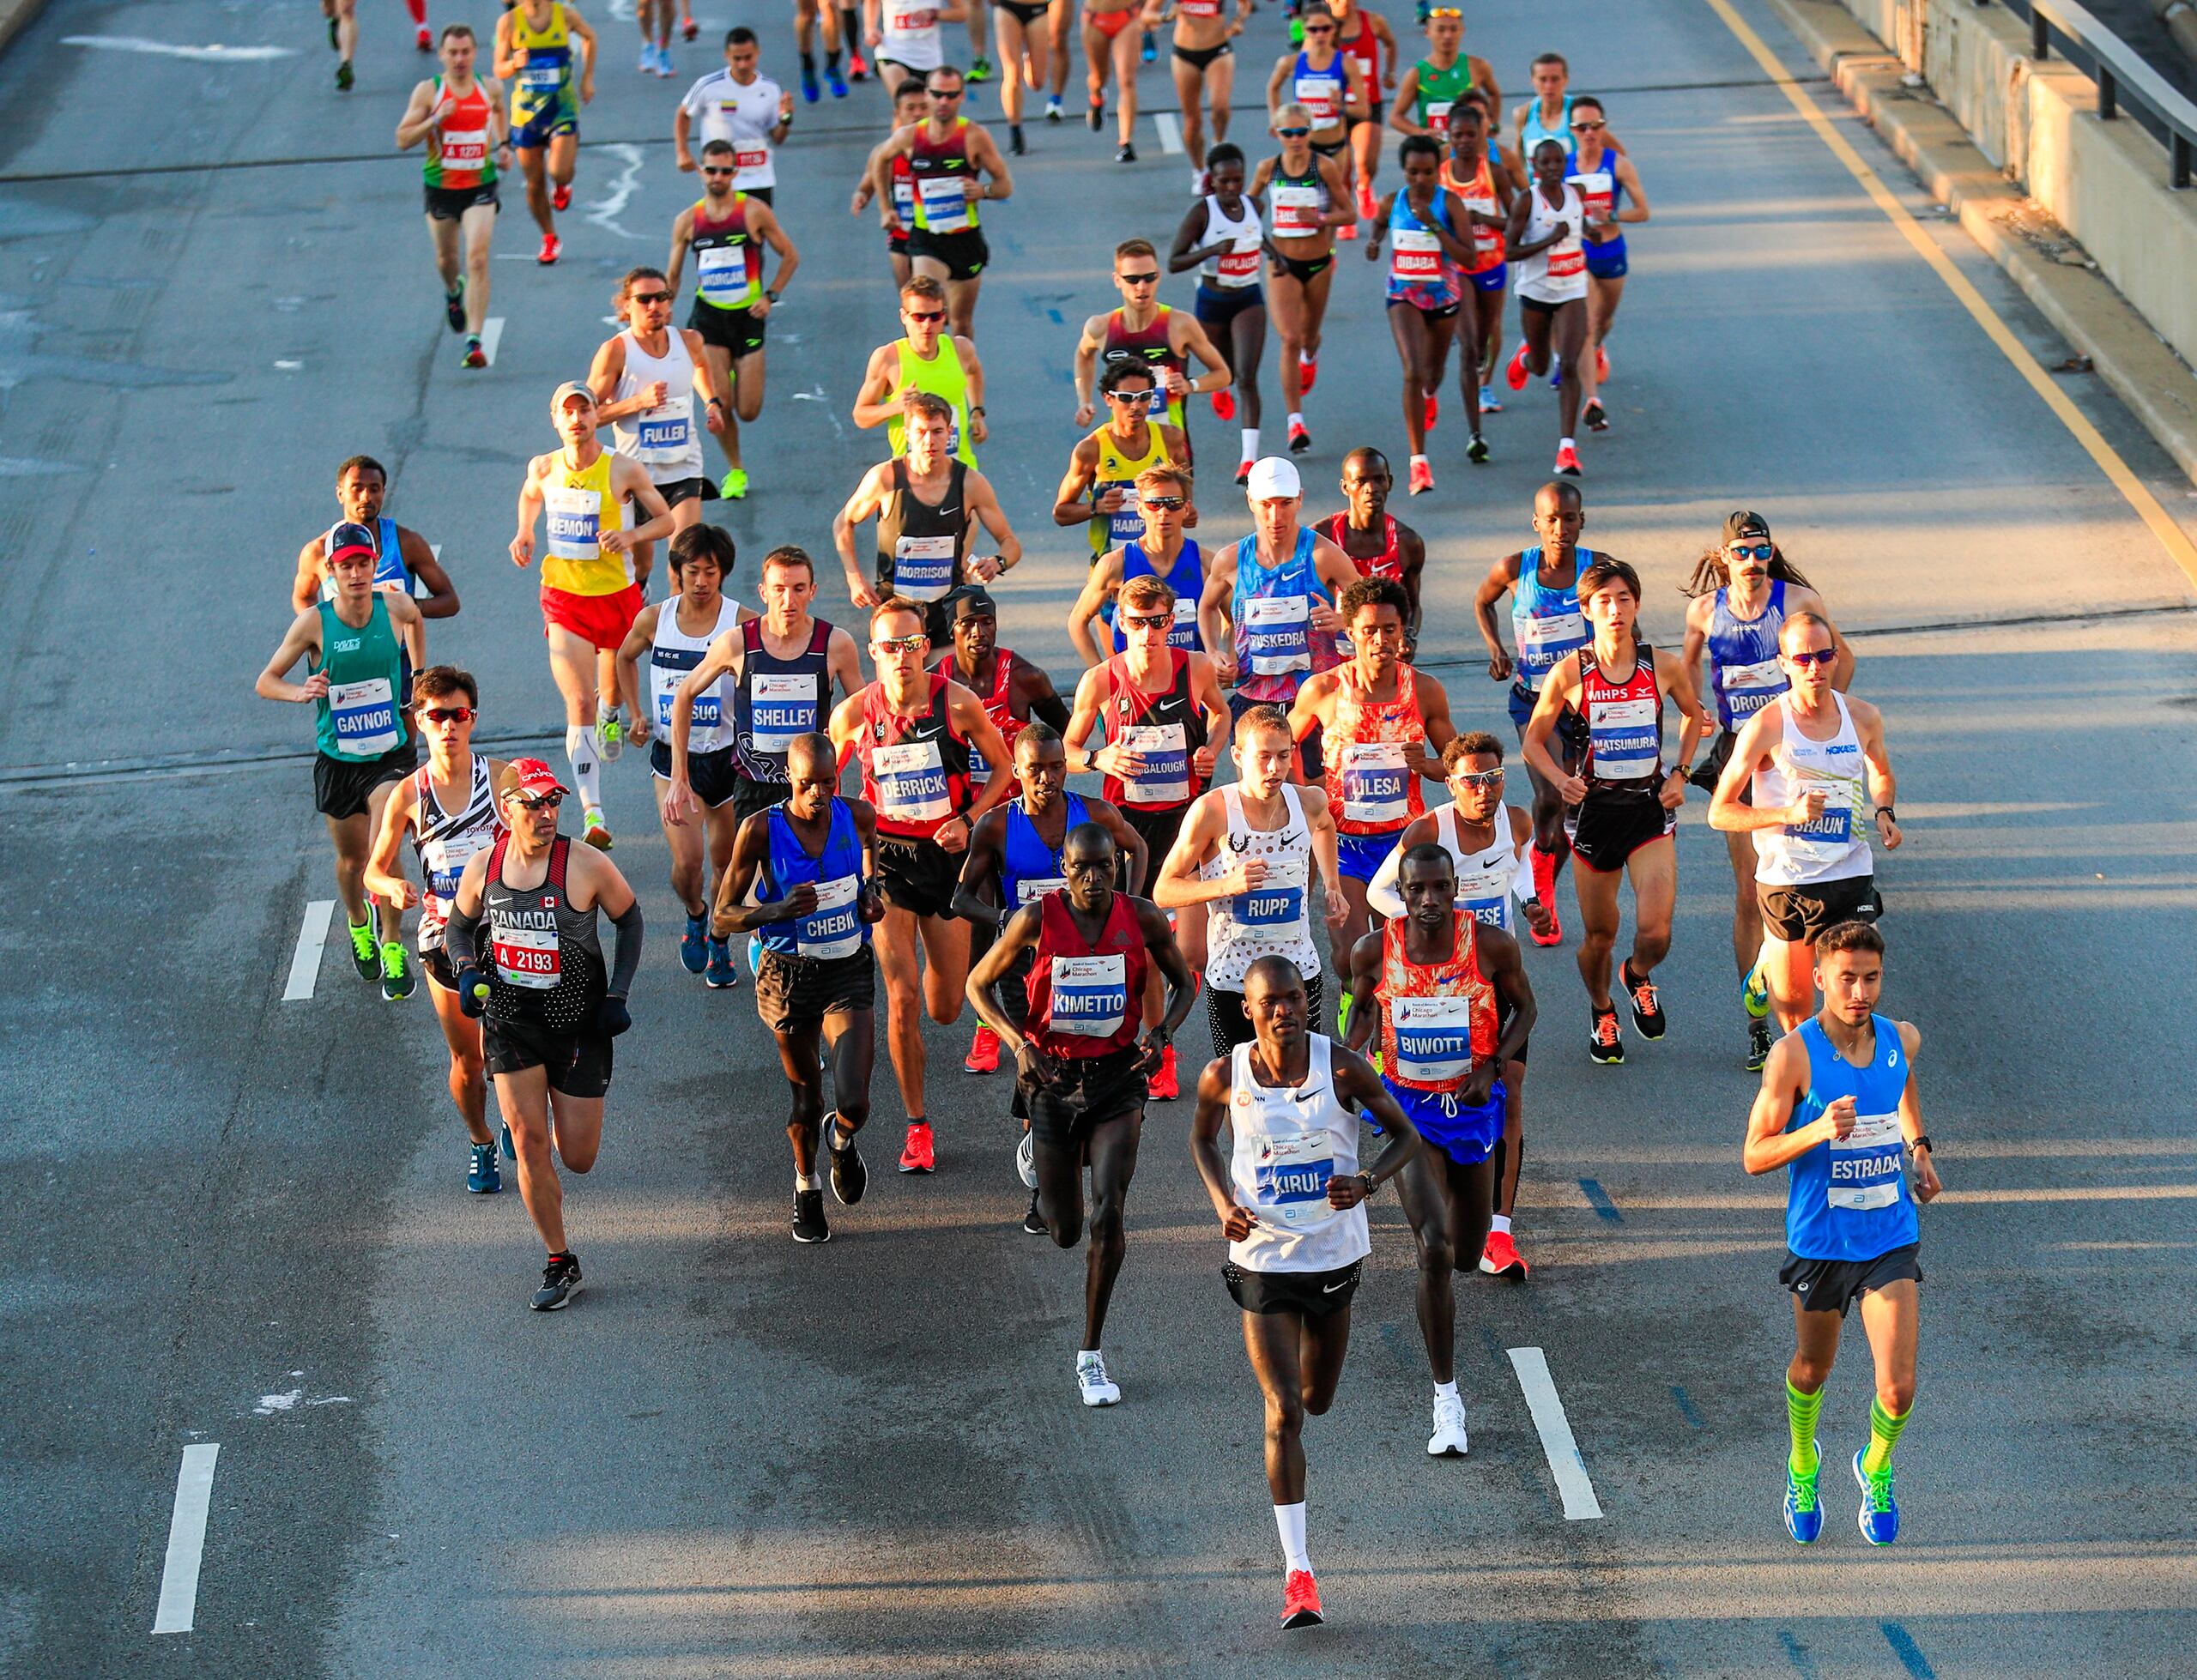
(613, 1017)
(472, 992)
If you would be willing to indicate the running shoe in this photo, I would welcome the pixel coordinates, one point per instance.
(1555, 372)
(1488, 405)
(594, 830)
(1095, 115)
(1308, 372)
(398, 979)
(733, 487)
(1433, 411)
(1094, 1385)
(754, 952)
(694, 945)
(1125, 154)
(850, 1177)
(1448, 1440)
(1347, 231)
(915, 1156)
(1879, 1510)
(980, 68)
(475, 356)
(1366, 205)
(423, 40)
(1757, 1045)
(837, 82)
(1601, 364)
(1053, 112)
(1224, 404)
(719, 975)
(1567, 461)
(1025, 1160)
(562, 197)
(1596, 416)
(811, 90)
(1803, 1514)
(1149, 49)
(809, 1224)
(688, 29)
(1016, 145)
(343, 77)
(610, 733)
(1501, 1257)
(552, 249)
(1514, 373)
(1476, 451)
(1342, 1018)
(454, 307)
(511, 1151)
(1034, 1220)
(1299, 439)
(1165, 1085)
(1647, 1004)
(483, 1177)
(365, 950)
(1300, 1593)
(1544, 865)
(984, 1052)
(648, 58)
(1422, 477)
(857, 68)
(1243, 473)
(1754, 991)
(560, 1282)
(1605, 1046)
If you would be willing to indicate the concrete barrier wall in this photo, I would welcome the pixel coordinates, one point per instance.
(2105, 182)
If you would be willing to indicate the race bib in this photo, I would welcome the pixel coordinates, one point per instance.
(781, 705)
(1030, 889)
(1748, 688)
(1567, 261)
(1434, 1038)
(1279, 900)
(1437, 115)
(1090, 995)
(1296, 211)
(1125, 525)
(1290, 1179)
(1866, 1164)
(1166, 753)
(1376, 782)
(833, 928)
(911, 782)
(365, 716)
(1277, 634)
(575, 517)
(1239, 263)
(1834, 828)
(1485, 238)
(923, 566)
(725, 281)
(1626, 738)
(1322, 99)
(708, 712)
(541, 78)
(526, 957)
(750, 155)
(945, 203)
(905, 21)
(1597, 193)
(468, 148)
(1544, 639)
(664, 433)
(1415, 256)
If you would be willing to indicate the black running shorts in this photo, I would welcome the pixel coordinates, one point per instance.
(1315, 1294)
(1616, 822)
(1799, 915)
(797, 991)
(1095, 1090)
(918, 875)
(964, 253)
(342, 787)
(732, 330)
(578, 1063)
(710, 775)
(1833, 1286)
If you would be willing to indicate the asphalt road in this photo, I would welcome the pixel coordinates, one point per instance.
(232, 1219)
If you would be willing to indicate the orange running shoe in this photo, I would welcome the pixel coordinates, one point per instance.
(1433, 411)
(1224, 404)
(1515, 375)
(552, 249)
(915, 1154)
(1165, 1085)
(983, 1053)
(1545, 889)
(1567, 461)
(1308, 370)
(1300, 1601)
(561, 199)
(1422, 476)
(1501, 1257)
(1601, 364)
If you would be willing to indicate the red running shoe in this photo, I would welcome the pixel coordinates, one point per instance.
(688, 29)
(1545, 889)
(1601, 364)
(983, 1053)
(424, 41)
(1515, 375)
(1308, 370)
(1299, 439)
(1165, 1085)
(1501, 1259)
(1300, 1601)
(915, 1154)
(1243, 473)
(1422, 477)
(552, 249)
(1224, 404)
(857, 68)
(1567, 462)
(1365, 204)
(561, 198)
(1433, 411)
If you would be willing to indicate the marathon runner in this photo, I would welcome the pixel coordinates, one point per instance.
(1546, 624)
(404, 561)
(1110, 40)
(1628, 803)
(1490, 843)
(1333, 92)
(1742, 592)
(926, 503)
(1222, 236)
(342, 17)
(1146, 333)
(1544, 240)
(1839, 1107)
(1247, 853)
(449, 807)
(361, 648)
(1310, 198)
(1099, 489)
(726, 229)
(1433, 242)
(805, 14)
(810, 865)
(1026, 42)
(913, 731)
(591, 590)
(1384, 726)
(461, 120)
(1547, 115)
(1163, 505)
(1065, 12)
(928, 358)
(1484, 181)
(675, 636)
(1370, 46)
(1454, 1008)
(744, 108)
(1430, 89)
(654, 17)
(1204, 62)
(1165, 721)
(1290, 1195)
(1812, 755)
(1605, 179)
(1377, 542)
(910, 106)
(1267, 613)
(1080, 1068)
(645, 380)
(905, 37)
(534, 53)
(549, 1012)
(948, 159)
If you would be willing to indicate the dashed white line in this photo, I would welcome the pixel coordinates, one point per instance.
(304, 961)
(194, 1496)
(1562, 1452)
(1171, 130)
(492, 334)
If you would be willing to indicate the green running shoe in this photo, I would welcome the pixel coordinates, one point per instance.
(1754, 992)
(610, 733)
(733, 487)
(398, 980)
(366, 951)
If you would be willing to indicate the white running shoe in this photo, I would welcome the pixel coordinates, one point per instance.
(1091, 1381)
(1025, 1161)
(1448, 1440)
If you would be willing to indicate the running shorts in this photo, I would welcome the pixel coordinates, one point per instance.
(553, 119)
(578, 1064)
(1570, 735)
(1095, 1090)
(1494, 279)
(451, 203)
(1830, 1286)
(1219, 306)
(678, 490)
(1711, 769)
(1159, 831)
(1332, 148)
(1605, 261)
(750, 797)
(603, 620)
(795, 991)
(435, 964)
(1467, 1136)
(1230, 1023)
(710, 775)
(1025, 12)
(1202, 57)
(1110, 24)
(1616, 822)
(1435, 303)
(1301, 270)
(735, 331)
(340, 787)
(916, 875)
(1359, 856)
(1315, 1294)
(964, 253)
(1799, 915)
(1543, 307)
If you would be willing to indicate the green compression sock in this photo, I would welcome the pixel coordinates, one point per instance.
(1801, 1411)
(1883, 1436)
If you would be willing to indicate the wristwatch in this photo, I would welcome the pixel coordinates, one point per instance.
(771, 294)
(1886, 810)
(1366, 1184)
(1920, 1142)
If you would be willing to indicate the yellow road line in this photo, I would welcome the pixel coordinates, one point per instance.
(2171, 536)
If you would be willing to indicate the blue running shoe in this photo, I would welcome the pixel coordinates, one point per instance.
(1803, 1513)
(1555, 374)
(509, 1153)
(483, 1179)
(694, 945)
(754, 952)
(809, 90)
(721, 974)
(1754, 992)
(838, 82)
(1879, 1510)
(1488, 405)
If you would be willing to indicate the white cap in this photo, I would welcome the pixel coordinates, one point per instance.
(1273, 478)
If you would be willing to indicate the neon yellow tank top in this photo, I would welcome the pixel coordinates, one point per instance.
(1119, 469)
(945, 378)
(580, 509)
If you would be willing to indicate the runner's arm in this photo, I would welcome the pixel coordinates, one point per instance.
(1460, 250)
(1884, 787)
(1212, 1110)
(1182, 984)
(508, 60)
(1086, 371)
(462, 927)
(1492, 588)
(682, 125)
(782, 245)
(1325, 851)
(1927, 1185)
(1342, 202)
(410, 628)
(603, 374)
(1099, 585)
(1214, 601)
(418, 121)
(1434, 707)
(721, 657)
(1354, 1078)
(1751, 751)
(1557, 689)
(1678, 683)
(842, 663)
(1307, 711)
(304, 586)
(582, 33)
(385, 876)
(639, 488)
(863, 503)
(980, 871)
(418, 555)
(972, 384)
(984, 509)
(977, 728)
(682, 233)
(1411, 567)
(1364, 976)
(1081, 721)
(1784, 1077)
(1383, 891)
(1282, 66)
(1178, 885)
(1357, 96)
(879, 400)
(638, 642)
(1699, 612)
(1219, 721)
(529, 511)
(1637, 211)
(1073, 503)
(1403, 114)
(984, 155)
(731, 913)
(1499, 960)
(1042, 700)
(706, 380)
(1186, 253)
(1017, 935)
(1195, 343)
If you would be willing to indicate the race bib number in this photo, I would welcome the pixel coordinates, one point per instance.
(575, 517)
(708, 712)
(468, 148)
(1434, 1038)
(1322, 99)
(725, 281)
(1166, 750)
(1279, 900)
(1090, 995)
(365, 716)
(526, 957)
(1567, 261)
(748, 155)
(833, 928)
(541, 78)
(923, 566)
(1485, 238)
(911, 782)
(911, 20)
(1415, 256)
(664, 433)
(1597, 193)
(1376, 782)
(1030, 889)
(1291, 1178)
(1834, 828)
(1866, 1164)
(1239, 263)
(1749, 688)
(945, 203)
(1296, 212)
(1437, 115)
(1544, 639)
(1277, 634)
(781, 705)
(1626, 743)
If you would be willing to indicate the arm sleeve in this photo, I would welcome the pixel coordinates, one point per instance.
(1381, 891)
(460, 937)
(625, 954)
(1053, 709)
(1521, 881)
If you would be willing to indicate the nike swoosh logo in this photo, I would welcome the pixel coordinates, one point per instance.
(1330, 1289)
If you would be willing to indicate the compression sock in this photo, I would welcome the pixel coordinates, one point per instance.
(587, 771)
(1801, 1411)
(808, 62)
(1883, 1436)
(1290, 1519)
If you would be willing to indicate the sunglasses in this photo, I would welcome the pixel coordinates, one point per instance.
(1149, 278)
(1293, 134)
(1479, 778)
(1140, 621)
(1170, 504)
(955, 94)
(924, 314)
(1144, 396)
(707, 170)
(1445, 11)
(1810, 656)
(902, 644)
(649, 297)
(1319, 28)
(1740, 551)
(447, 714)
(548, 801)
(1588, 128)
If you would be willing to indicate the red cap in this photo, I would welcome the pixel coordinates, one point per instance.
(533, 778)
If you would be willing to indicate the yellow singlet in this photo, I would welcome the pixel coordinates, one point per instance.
(1118, 470)
(580, 508)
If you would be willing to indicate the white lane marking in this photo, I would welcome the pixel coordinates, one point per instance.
(613, 203)
(492, 334)
(1562, 1452)
(204, 55)
(194, 1494)
(289, 367)
(1171, 130)
(304, 962)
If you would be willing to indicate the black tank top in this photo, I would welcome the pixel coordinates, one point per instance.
(777, 699)
(920, 547)
(545, 964)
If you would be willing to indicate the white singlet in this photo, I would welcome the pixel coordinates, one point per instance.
(911, 35)
(1275, 920)
(1486, 880)
(1288, 1141)
(1836, 846)
(673, 656)
(1558, 274)
(1238, 266)
(666, 440)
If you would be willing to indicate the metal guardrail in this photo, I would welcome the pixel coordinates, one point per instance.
(2120, 72)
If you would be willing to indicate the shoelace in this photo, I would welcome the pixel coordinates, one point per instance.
(1643, 996)
(1879, 1491)
(1800, 1490)
(1606, 1029)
